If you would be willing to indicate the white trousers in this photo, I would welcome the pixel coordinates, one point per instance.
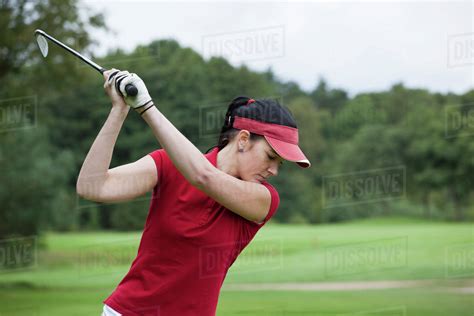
(109, 311)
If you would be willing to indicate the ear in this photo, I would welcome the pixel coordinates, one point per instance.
(243, 138)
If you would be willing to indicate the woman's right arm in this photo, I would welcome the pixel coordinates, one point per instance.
(96, 181)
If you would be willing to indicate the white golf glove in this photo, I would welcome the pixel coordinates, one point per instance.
(142, 101)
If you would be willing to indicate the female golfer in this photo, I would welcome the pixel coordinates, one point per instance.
(205, 209)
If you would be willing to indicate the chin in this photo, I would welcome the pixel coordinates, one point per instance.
(254, 180)
(251, 179)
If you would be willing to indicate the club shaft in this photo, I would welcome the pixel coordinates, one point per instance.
(130, 89)
(72, 51)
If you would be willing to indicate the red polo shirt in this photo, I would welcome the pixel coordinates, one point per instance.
(188, 244)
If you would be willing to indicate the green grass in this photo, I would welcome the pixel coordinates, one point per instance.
(76, 271)
(420, 302)
(374, 303)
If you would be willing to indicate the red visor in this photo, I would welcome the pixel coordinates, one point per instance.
(283, 139)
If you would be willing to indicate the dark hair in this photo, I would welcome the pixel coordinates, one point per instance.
(263, 110)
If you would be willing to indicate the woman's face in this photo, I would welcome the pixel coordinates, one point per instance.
(259, 161)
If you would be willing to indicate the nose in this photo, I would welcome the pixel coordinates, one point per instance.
(273, 169)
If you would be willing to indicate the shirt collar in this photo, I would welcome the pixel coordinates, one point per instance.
(212, 156)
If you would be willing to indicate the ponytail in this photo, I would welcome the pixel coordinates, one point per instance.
(227, 131)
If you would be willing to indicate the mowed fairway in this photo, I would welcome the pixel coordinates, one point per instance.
(76, 271)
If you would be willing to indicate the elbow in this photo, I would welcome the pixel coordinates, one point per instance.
(82, 190)
(86, 191)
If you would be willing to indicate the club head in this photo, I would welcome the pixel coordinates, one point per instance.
(42, 43)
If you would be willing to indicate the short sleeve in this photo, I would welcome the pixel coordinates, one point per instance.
(275, 201)
(159, 158)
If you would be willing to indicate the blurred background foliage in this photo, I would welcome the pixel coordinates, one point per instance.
(402, 127)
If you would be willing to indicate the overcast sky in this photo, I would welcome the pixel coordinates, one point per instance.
(356, 46)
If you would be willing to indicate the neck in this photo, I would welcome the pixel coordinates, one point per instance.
(226, 161)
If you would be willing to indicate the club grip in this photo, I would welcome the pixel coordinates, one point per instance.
(131, 90)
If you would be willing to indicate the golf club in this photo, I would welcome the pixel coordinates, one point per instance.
(41, 38)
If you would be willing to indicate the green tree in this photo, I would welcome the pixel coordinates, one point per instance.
(34, 191)
(19, 19)
(330, 99)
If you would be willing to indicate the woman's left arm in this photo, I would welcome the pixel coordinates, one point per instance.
(185, 156)
(249, 200)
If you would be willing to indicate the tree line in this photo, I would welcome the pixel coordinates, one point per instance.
(399, 152)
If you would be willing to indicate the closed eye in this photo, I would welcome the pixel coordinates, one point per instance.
(273, 158)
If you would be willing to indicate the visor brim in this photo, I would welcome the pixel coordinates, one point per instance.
(288, 151)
